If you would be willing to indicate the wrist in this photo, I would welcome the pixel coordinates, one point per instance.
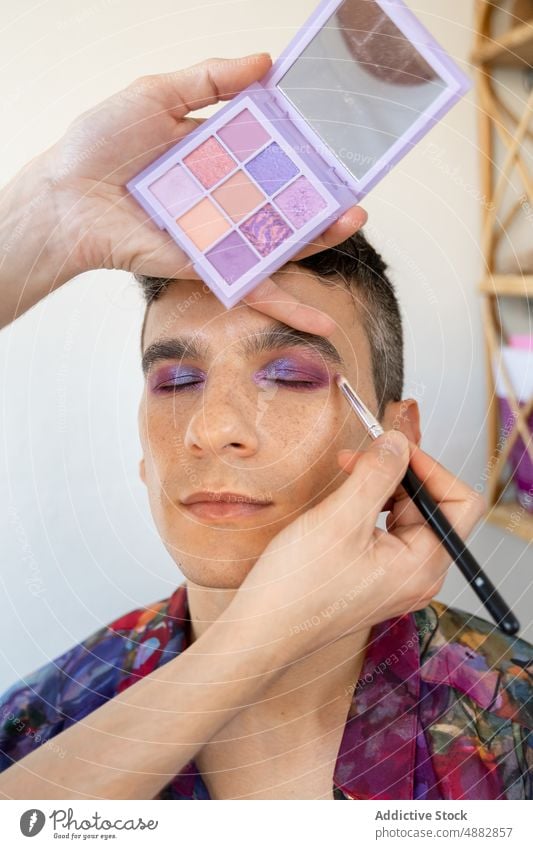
(35, 254)
(257, 635)
(244, 636)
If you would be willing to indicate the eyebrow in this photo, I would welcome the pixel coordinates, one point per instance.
(270, 338)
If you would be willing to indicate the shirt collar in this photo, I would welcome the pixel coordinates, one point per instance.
(377, 755)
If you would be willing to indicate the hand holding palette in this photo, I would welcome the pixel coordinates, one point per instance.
(356, 88)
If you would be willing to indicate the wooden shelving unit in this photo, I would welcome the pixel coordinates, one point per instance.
(492, 51)
(513, 48)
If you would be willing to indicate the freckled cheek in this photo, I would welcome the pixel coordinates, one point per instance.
(328, 432)
(299, 410)
(161, 434)
(304, 435)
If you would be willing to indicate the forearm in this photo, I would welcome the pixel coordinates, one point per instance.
(133, 745)
(35, 257)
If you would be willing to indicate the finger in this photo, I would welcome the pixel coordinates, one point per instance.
(444, 485)
(269, 298)
(347, 459)
(188, 124)
(344, 227)
(205, 83)
(461, 504)
(376, 474)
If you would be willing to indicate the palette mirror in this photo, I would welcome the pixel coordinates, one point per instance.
(360, 84)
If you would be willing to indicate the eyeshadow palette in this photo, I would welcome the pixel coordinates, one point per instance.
(360, 83)
(237, 193)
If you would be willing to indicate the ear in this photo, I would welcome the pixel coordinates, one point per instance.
(405, 416)
(142, 471)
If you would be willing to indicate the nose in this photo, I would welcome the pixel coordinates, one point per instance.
(220, 425)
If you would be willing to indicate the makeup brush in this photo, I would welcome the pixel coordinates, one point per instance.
(452, 542)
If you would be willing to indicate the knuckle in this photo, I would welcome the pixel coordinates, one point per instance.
(139, 82)
(211, 60)
(144, 84)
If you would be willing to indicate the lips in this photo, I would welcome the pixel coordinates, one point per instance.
(224, 497)
(224, 506)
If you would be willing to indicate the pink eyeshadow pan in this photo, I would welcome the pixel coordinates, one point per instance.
(204, 224)
(238, 196)
(243, 135)
(210, 162)
(300, 202)
(175, 190)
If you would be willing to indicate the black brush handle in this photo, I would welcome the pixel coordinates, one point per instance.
(452, 542)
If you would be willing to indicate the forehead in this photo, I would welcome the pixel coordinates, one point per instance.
(189, 307)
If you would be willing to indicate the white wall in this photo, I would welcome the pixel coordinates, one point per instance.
(78, 546)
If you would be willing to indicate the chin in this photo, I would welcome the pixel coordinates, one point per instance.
(218, 565)
(226, 578)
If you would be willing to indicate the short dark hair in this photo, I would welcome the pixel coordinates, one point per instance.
(363, 271)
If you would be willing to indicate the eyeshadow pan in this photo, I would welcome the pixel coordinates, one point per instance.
(175, 190)
(232, 257)
(204, 224)
(209, 162)
(272, 168)
(244, 135)
(238, 196)
(300, 202)
(266, 229)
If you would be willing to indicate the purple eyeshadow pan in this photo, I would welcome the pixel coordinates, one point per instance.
(210, 162)
(175, 190)
(300, 202)
(272, 168)
(244, 135)
(266, 229)
(232, 257)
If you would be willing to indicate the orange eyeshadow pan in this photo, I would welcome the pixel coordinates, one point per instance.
(204, 224)
(238, 196)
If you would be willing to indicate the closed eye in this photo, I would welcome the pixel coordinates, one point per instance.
(294, 378)
(296, 383)
(177, 387)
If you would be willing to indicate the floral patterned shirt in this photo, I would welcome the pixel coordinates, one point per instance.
(442, 709)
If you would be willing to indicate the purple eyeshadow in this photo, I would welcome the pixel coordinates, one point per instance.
(174, 377)
(175, 190)
(243, 135)
(272, 168)
(266, 229)
(300, 202)
(232, 257)
(290, 370)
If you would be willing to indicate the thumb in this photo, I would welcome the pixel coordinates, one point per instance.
(374, 477)
(348, 457)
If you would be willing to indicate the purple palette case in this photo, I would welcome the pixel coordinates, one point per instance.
(356, 88)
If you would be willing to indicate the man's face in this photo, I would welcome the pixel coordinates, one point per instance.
(244, 418)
